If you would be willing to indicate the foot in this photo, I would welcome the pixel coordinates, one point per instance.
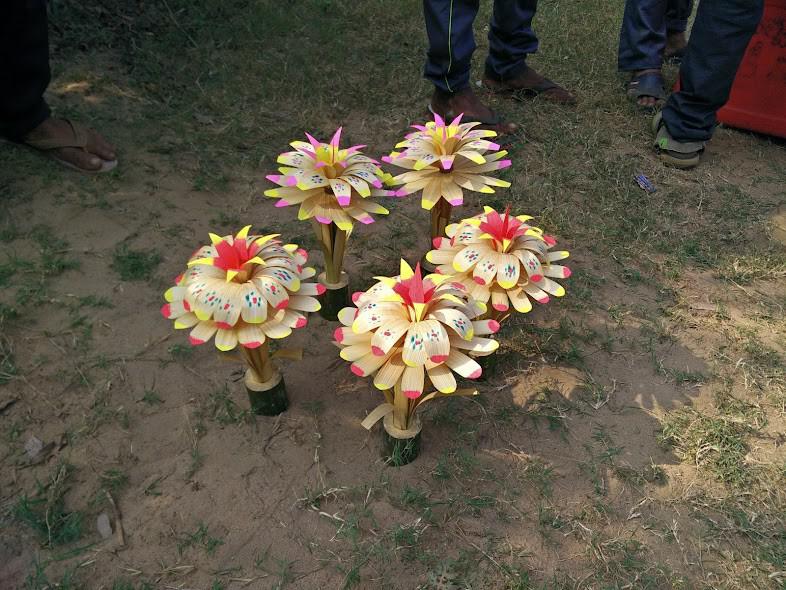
(72, 144)
(529, 83)
(679, 154)
(676, 42)
(646, 86)
(450, 105)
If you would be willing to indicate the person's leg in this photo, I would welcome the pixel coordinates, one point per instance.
(717, 44)
(642, 35)
(451, 42)
(24, 66)
(677, 14)
(449, 58)
(511, 39)
(24, 77)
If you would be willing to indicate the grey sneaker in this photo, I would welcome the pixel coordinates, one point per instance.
(680, 154)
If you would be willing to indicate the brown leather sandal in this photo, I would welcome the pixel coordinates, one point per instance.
(77, 139)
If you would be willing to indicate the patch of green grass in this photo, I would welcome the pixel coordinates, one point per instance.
(746, 269)
(181, 352)
(45, 512)
(151, 397)
(9, 268)
(199, 538)
(114, 480)
(223, 409)
(135, 265)
(549, 405)
(454, 463)
(8, 369)
(715, 444)
(38, 580)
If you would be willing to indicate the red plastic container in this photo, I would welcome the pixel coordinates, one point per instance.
(758, 97)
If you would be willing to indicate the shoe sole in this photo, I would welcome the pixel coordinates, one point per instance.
(681, 163)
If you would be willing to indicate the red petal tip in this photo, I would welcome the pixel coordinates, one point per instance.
(338, 335)
(321, 288)
(195, 341)
(494, 325)
(283, 304)
(377, 351)
(165, 310)
(301, 323)
(357, 371)
(439, 358)
(476, 374)
(356, 295)
(412, 394)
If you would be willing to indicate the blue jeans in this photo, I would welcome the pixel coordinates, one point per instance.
(645, 25)
(717, 45)
(452, 42)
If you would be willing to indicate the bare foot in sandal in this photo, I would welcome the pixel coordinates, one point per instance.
(73, 145)
(646, 87)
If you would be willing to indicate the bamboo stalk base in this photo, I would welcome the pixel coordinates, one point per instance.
(398, 449)
(267, 399)
(335, 298)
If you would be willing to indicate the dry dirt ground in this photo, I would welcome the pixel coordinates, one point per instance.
(630, 435)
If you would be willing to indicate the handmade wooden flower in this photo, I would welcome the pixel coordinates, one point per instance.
(331, 185)
(444, 159)
(501, 258)
(407, 331)
(407, 328)
(242, 290)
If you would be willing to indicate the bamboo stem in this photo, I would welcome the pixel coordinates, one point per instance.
(339, 246)
(260, 362)
(400, 408)
(440, 218)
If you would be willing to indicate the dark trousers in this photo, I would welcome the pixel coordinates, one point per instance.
(645, 25)
(452, 42)
(24, 66)
(717, 44)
